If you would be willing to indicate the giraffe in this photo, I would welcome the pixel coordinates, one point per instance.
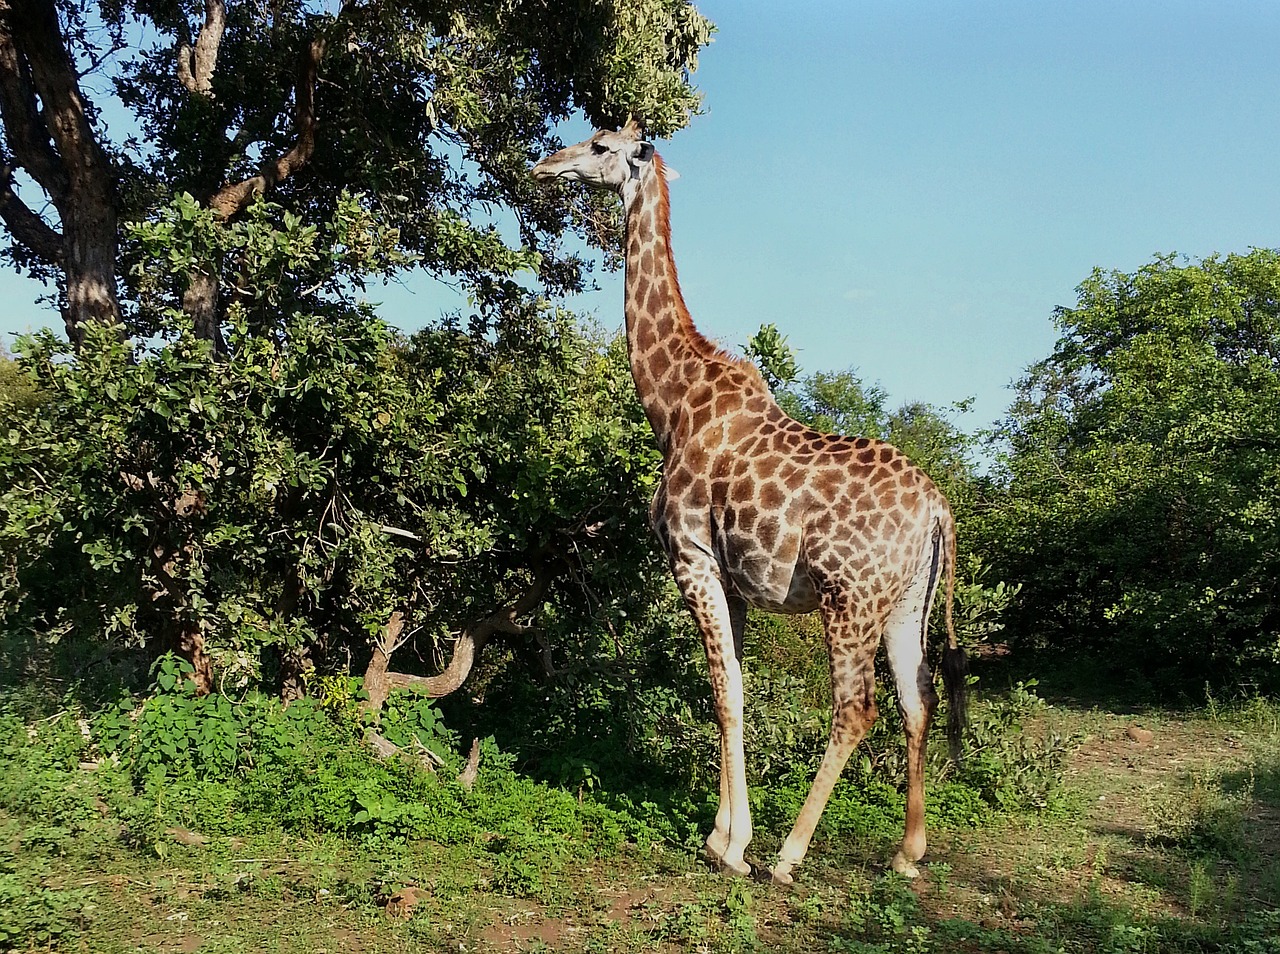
(754, 508)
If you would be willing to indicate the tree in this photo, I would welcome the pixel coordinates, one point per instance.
(272, 470)
(426, 116)
(1140, 508)
(294, 504)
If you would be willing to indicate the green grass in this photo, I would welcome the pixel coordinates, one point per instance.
(1167, 846)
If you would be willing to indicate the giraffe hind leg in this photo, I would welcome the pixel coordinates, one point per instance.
(904, 639)
(852, 644)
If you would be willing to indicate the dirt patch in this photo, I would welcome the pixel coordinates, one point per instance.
(993, 877)
(1126, 772)
(177, 944)
(520, 928)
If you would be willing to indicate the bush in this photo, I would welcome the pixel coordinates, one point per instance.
(1137, 500)
(225, 767)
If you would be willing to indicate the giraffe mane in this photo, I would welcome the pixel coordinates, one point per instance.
(709, 349)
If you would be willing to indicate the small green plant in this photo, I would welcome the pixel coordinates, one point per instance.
(980, 605)
(738, 916)
(1204, 818)
(176, 731)
(33, 915)
(411, 721)
(885, 919)
(1013, 769)
(1200, 890)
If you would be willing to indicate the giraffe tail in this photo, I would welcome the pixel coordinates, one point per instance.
(955, 664)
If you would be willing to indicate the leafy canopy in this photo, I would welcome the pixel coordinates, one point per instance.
(1141, 511)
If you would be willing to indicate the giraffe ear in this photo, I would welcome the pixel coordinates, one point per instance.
(644, 151)
(670, 174)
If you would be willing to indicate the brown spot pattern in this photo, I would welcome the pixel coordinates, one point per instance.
(755, 506)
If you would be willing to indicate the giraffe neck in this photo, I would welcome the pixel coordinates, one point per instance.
(668, 354)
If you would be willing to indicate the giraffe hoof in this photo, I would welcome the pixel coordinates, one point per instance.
(780, 875)
(904, 867)
(739, 870)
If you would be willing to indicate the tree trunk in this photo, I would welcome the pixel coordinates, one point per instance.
(47, 126)
(201, 302)
(294, 666)
(376, 683)
(89, 242)
(190, 646)
(295, 662)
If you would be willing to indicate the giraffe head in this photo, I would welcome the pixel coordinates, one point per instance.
(618, 161)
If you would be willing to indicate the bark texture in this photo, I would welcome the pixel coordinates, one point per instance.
(48, 131)
(198, 61)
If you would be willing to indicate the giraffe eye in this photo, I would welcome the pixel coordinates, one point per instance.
(599, 148)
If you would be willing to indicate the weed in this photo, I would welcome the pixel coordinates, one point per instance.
(940, 874)
(1011, 768)
(885, 918)
(33, 914)
(1204, 819)
(741, 922)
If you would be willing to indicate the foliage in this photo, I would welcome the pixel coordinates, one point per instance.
(272, 472)
(1061, 882)
(233, 767)
(1204, 818)
(246, 499)
(1139, 508)
(16, 390)
(776, 359)
(1011, 766)
(422, 118)
(32, 914)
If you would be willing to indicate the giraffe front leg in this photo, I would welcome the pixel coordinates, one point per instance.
(734, 813)
(718, 841)
(717, 845)
(717, 621)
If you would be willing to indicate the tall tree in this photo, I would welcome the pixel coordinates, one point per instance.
(226, 177)
(426, 114)
(1141, 510)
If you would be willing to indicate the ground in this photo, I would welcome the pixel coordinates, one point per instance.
(1168, 842)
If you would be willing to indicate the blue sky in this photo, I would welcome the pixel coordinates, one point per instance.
(910, 188)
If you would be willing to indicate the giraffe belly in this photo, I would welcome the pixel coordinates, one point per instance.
(800, 596)
(774, 580)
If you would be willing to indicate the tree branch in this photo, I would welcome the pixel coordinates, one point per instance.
(196, 65)
(26, 227)
(23, 128)
(34, 25)
(379, 682)
(234, 198)
(55, 142)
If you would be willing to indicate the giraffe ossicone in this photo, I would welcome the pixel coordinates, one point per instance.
(756, 509)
